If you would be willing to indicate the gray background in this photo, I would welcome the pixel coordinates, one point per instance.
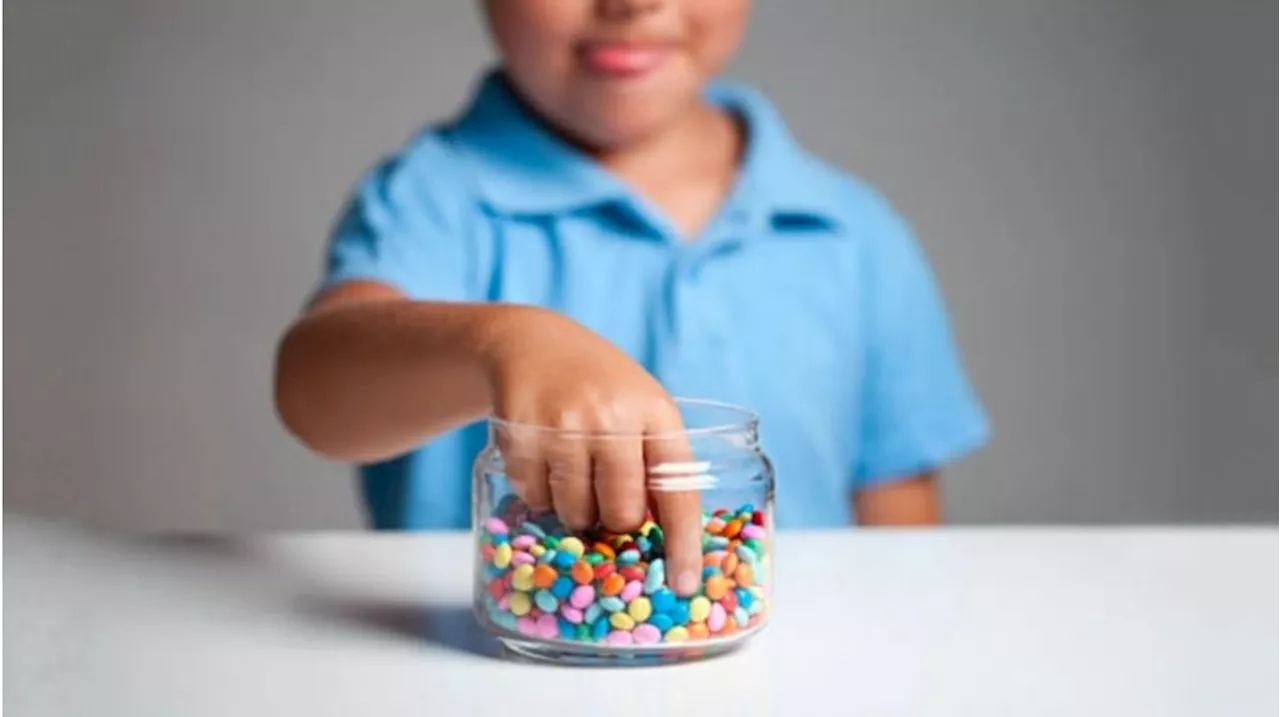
(1092, 179)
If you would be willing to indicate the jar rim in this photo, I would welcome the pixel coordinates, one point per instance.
(746, 420)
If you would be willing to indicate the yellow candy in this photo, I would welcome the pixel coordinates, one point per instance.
(677, 634)
(621, 621)
(572, 546)
(522, 577)
(520, 603)
(640, 609)
(647, 528)
(537, 551)
(502, 556)
(699, 609)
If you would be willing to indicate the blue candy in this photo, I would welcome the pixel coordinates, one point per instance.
(746, 555)
(493, 571)
(629, 557)
(592, 613)
(564, 560)
(643, 544)
(745, 598)
(547, 557)
(533, 529)
(662, 600)
(599, 629)
(710, 571)
(545, 601)
(740, 616)
(506, 620)
(717, 542)
(660, 621)
(562, 587)
(656, 576)
(680, 613)
(612, 604)
(568, 630)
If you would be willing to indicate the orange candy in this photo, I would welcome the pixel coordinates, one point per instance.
(711, 560)
(732, 529)
(730, 627)
(581, 572)
(744, 576)
(605, 550)
(714, 526)
(613, 585)
(730, 564)
(699, 631)
(544, 576)
(717, 586)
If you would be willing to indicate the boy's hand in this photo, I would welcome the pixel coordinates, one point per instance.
(578, 407)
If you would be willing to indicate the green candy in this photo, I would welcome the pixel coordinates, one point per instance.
(551, 542)
(583, 632)
(594, 558)
(756, 546)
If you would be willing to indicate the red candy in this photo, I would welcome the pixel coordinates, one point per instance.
(757, 518)
(487, 552)
(729, 601)
(497, 589)
(632, 572)
(604, 570)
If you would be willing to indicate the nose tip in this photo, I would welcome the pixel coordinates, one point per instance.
(626, 9)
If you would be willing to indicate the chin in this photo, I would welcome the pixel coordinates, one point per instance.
(618, 122)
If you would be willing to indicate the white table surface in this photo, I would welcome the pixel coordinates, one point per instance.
(958, 622)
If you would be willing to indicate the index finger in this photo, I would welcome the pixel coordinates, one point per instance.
(675, 480)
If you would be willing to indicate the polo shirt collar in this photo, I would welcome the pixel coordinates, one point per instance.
(524, 168)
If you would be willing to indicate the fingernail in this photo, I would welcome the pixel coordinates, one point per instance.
(686, 583)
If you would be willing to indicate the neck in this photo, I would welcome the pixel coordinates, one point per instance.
(705, 135)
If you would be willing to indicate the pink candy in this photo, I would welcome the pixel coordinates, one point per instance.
(572, 614)
(496, 526)
(504, 602)
(523, 559)
(646, 634)
(527, 626)
(523, 542)
(753, 531)
(619, 637)
(546, 626)
(716, 620)
(632, 590)
(582, 597)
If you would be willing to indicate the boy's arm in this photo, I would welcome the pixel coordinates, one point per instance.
(908, 501)
(366, 374)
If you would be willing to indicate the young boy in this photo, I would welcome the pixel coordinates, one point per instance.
(604, 228)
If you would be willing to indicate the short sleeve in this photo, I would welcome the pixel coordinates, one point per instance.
(402, 226)
(918, 409)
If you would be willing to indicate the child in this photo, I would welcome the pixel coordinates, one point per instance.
(603, 228)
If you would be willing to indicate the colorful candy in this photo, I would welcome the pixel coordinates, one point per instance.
(541, 581)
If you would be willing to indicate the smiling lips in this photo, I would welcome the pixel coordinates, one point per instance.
(624, 60)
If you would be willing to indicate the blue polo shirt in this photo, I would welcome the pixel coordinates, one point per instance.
(806, 298)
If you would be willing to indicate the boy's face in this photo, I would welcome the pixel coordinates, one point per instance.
(610, 72)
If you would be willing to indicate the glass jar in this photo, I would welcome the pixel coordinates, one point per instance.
(592, 596)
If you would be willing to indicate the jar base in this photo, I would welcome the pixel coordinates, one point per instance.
(590, 655)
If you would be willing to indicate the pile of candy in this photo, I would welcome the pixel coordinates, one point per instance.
(541, 581)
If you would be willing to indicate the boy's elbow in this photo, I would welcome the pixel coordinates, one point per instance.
(299, 417)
